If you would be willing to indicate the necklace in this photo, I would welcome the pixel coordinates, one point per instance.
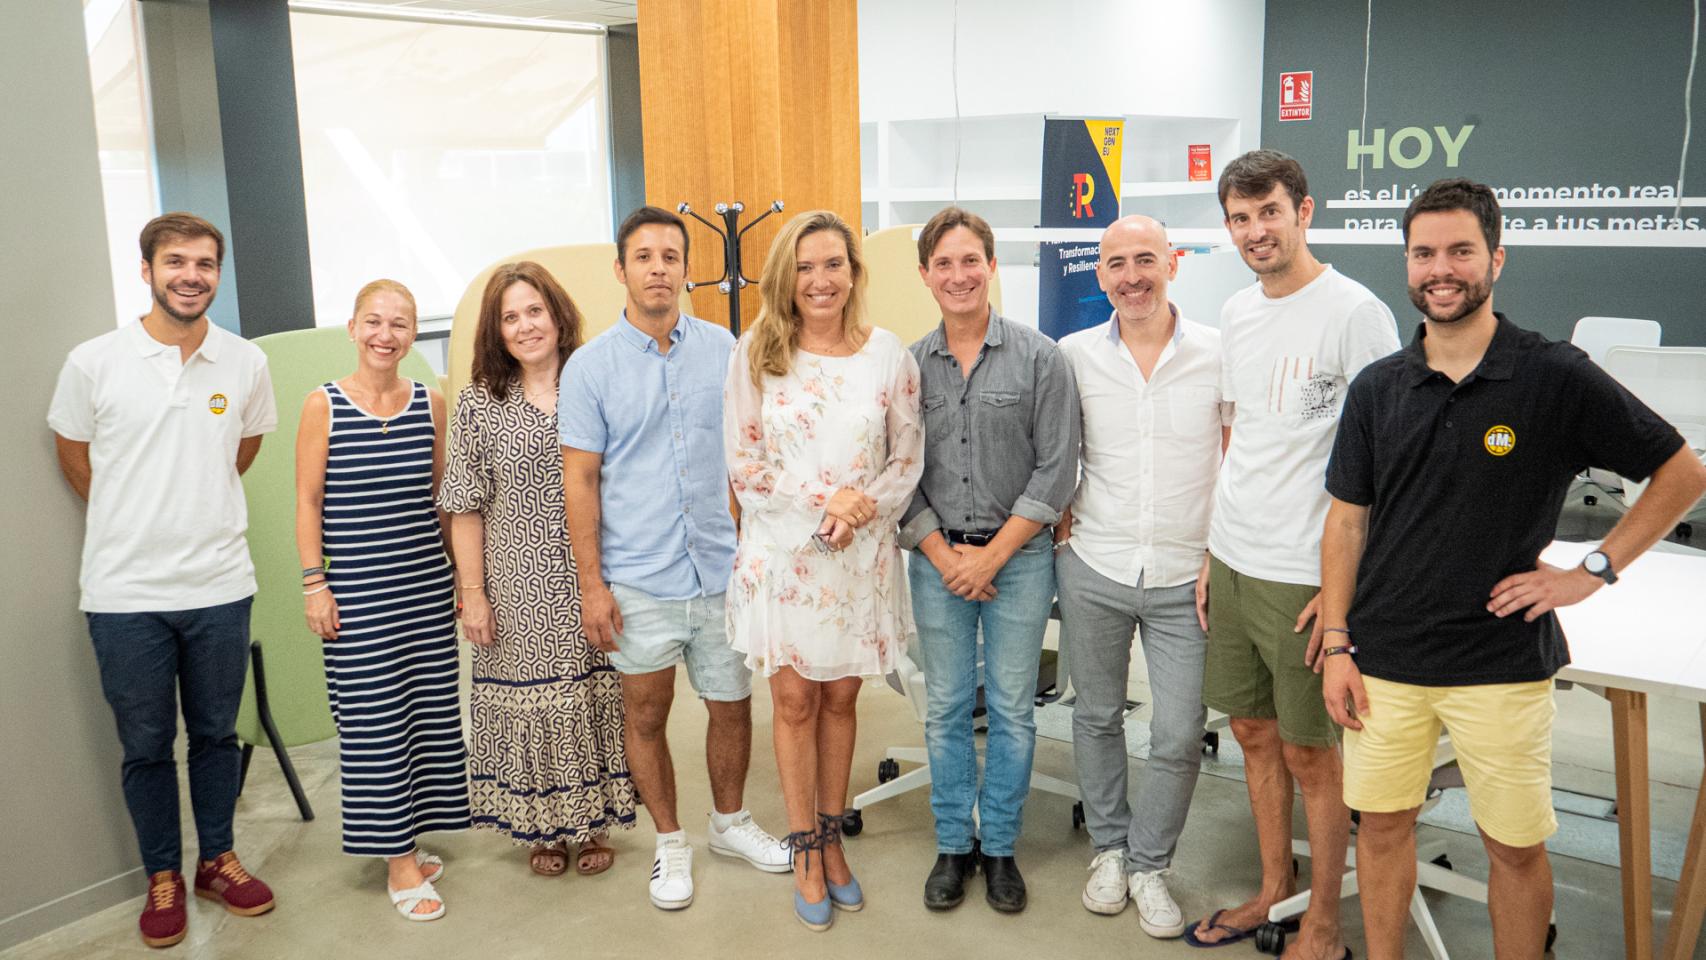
(827, 348)
(378, 400)
(536, 398)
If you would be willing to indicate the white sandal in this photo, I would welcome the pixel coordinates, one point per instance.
(408, 900)
(424, 860)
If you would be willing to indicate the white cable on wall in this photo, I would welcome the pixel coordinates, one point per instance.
(1687, 107)
(1362, 127)
(954, 81)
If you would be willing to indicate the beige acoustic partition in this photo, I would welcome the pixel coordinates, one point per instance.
(586, 270)
(896, 297)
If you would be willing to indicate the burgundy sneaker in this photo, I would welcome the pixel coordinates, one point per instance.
(225, 880)
(165, 914)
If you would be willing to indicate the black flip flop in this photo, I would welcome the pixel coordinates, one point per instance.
(1289, 925)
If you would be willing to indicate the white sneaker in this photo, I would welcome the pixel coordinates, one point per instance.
(1157, 912)
(748, 841)
(672, 875)
(1105, 893)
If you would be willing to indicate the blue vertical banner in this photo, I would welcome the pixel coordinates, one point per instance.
(1081, 188)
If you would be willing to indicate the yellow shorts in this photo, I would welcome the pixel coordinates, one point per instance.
(1502, 733)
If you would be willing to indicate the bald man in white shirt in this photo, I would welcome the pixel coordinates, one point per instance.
(1130, 555)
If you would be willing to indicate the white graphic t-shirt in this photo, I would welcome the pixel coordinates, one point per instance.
(1285, 364)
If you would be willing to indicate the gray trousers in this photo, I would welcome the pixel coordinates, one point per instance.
(1097, 618)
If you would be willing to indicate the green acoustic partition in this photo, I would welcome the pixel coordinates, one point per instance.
(294, 673)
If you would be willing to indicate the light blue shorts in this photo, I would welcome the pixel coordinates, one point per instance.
(658, 634)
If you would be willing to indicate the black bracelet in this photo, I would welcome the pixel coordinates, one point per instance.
(1349, 648)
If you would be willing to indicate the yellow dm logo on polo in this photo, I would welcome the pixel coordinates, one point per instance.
(217, 403)
(1500, 440)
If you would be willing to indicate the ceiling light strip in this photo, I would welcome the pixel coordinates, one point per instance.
(374, 11)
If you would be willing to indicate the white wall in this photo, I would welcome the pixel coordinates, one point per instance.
(1159, 57)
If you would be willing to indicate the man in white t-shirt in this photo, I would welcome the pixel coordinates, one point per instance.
(1290, 345)
(154, 422)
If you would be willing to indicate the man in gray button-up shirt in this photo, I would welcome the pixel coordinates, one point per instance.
(1001, 431)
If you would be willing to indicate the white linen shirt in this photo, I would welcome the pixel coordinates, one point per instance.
(1150, 455)
(167, 515)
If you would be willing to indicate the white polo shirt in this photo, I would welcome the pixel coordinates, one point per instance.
(166, 508)
(1151, 451)
(1286, 364)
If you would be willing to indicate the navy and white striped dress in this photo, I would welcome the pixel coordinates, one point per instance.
(391, 673)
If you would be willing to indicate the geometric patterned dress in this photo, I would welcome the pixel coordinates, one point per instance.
(391, 673)
(546, 749)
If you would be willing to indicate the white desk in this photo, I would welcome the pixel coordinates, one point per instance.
(1645, 635)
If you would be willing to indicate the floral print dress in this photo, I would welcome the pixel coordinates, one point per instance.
(831, 422)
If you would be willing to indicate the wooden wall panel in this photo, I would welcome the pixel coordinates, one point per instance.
(749, 100)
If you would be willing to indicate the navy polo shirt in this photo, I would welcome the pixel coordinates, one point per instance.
(1464, 483)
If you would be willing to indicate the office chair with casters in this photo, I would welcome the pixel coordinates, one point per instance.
(1596, 335)
(1434, 871)
(1671, 380)
(285, 704)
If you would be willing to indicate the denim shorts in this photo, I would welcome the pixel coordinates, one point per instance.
(658, 634)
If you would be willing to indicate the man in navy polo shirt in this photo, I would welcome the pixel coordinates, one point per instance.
(1448, 473)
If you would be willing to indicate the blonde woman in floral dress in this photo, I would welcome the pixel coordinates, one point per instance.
(825, 445)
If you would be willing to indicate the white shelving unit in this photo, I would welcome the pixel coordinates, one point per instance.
(908, 168)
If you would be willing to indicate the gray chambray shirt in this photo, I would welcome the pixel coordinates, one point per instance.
(1001, 442)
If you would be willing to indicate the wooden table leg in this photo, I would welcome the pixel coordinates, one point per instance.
(1634, 814)
(1690, 907)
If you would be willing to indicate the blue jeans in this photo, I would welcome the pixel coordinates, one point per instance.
(1013, 626)
(145, 659)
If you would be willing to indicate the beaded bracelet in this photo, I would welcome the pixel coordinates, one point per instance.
(1349, 648)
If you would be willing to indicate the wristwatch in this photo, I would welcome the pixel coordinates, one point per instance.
(1598, 564)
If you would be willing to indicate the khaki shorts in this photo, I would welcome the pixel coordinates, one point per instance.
(1502, 733)
(1255, 667)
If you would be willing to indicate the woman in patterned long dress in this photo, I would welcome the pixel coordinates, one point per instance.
(825, 445)
(380, 592)
(547, 757)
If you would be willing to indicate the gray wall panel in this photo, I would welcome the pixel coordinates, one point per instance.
(263, 162)
(1567, 93)
(68, 845)
(627, 145)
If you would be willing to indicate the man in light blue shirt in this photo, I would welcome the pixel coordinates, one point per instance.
(640, 416)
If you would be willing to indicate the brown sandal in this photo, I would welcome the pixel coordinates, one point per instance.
(550, 860)
(594, 857)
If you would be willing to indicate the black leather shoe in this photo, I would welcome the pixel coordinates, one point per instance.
(1003, 887)
(946, 885)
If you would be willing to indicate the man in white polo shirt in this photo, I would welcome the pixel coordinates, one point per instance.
(154, 422)
(1131, 551)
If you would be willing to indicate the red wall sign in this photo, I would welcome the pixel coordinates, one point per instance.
(1297, 94)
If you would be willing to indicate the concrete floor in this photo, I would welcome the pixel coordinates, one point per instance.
(333, 906)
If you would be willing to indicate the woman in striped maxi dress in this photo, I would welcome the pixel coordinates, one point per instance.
(379, 591)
